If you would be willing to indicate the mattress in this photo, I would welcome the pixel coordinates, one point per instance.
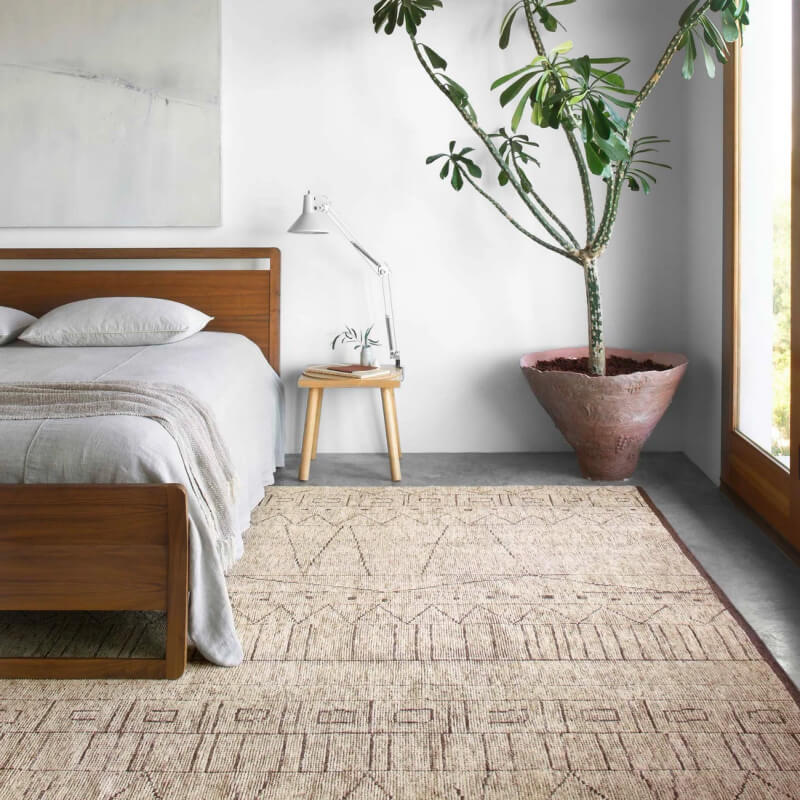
(228, 374)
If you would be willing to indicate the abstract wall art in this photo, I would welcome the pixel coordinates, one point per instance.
(110, 113)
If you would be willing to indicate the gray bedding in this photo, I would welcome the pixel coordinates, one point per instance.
(228, 375)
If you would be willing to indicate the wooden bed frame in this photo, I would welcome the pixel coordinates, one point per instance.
(124, 546)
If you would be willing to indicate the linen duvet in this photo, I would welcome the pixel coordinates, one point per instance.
(228, 375)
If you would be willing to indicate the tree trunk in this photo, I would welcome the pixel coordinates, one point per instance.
(597, 348)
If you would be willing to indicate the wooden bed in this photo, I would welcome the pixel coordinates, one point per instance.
(124, 546)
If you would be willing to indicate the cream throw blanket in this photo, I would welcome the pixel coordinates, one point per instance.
(192, 426)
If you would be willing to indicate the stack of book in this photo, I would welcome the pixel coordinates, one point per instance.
(354, 372)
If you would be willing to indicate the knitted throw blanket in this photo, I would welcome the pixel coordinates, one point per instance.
(192, 426)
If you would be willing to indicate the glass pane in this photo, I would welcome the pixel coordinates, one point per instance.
(765, 228)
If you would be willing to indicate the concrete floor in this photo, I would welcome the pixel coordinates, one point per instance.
(760, 580)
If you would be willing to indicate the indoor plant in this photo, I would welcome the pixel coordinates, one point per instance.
(362, 341)
(605, 416)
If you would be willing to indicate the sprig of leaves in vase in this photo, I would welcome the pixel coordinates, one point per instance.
(359, 339)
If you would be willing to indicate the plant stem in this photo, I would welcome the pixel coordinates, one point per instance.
(516, 224)
(613, 195)
(495, 153)
(583, 171)
(614, 189)
(547, 210)
(663, 63)
(594, 309)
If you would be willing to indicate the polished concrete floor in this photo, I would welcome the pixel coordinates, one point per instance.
(760, 580)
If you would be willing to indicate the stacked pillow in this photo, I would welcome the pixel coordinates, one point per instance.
(104, 322)
(12, 323)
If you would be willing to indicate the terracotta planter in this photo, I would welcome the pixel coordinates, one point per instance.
(606, 419)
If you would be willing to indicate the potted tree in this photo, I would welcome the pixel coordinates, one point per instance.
(605, 401)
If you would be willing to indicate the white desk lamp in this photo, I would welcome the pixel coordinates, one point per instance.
(317, 212)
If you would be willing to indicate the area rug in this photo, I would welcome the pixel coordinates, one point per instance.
(460, 643)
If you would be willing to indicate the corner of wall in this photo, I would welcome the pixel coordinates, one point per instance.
(703, 273)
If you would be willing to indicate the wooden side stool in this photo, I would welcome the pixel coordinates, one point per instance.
(316, 387)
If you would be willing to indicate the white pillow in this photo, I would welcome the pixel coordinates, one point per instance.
(12, 323)
(116, 322)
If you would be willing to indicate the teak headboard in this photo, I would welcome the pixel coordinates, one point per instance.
(241, 301)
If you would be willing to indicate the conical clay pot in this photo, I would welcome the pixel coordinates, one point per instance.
(606, 419)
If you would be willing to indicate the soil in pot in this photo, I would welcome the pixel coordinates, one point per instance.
(615, 365)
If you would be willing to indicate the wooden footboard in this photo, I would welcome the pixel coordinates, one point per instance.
(96, 548)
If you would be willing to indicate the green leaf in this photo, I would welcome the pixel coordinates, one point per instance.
(520, 110)
(437, 62)
(612, 79)
(505, 78)
(689, 58)
(548, 20)
(431, 159)
(505, 25)
(688, 13)
(601, 125)
(615, 119)
(390, 14)
(730, 29)
(445, 170)
(652, 163)
(457, 181)
(640, 172)
(594, 159)
(564, 47)
(583, 66)
(510, 92)
(621, 60)
(715, 39)
(711, 67)
(618, 102)
(614, 147)
(473, 169)
(458, 94)
(587, 127)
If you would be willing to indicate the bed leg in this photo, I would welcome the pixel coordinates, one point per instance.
(177, 583)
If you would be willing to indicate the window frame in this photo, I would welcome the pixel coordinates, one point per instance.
(749, 473)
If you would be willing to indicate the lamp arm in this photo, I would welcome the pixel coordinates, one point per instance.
(380, 269)
(377, 266)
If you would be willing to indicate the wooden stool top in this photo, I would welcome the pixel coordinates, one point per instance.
(392, 381)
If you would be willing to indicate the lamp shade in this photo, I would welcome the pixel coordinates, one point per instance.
(311, 220)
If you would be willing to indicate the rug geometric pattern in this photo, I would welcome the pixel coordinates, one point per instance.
(511, 642)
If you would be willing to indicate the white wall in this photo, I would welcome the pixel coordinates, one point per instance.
(704, 270)
(311, 97)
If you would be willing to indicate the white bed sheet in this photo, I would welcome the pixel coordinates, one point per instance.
(228, 374)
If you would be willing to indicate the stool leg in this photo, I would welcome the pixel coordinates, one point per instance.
(396, 426)
(316, 424)
(392, 439)
(309, 433)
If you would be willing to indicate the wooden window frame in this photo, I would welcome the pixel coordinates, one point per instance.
(761, 482)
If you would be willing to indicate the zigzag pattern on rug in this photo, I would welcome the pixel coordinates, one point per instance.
(486, 643)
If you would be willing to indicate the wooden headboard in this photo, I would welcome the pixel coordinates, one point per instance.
(241, 301)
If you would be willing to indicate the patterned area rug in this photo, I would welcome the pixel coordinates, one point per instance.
(460, 643)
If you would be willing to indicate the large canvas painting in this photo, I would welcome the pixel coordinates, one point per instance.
(110, 113)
